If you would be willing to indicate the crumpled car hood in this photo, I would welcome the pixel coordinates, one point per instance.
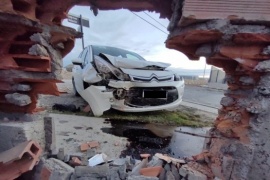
(132, 63)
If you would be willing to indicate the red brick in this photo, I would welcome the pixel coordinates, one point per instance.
(93, 144)
(45, 173)
(75, 161)
(151, 171)
(23, 156)
(84, 147)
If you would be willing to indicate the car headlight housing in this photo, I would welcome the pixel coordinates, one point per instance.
(177, 78)
(106, 68)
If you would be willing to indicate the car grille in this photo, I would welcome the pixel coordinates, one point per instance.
(152, 78)
(135, 96)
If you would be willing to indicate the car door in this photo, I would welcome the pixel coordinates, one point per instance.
(78, 69)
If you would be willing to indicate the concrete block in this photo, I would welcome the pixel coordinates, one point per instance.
(169, 175)
(97, 172)
(191, 174)
(59, 169)
(61, 154)
(136, 170)
(49, 129)
(155, 161)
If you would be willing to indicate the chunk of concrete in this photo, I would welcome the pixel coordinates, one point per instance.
(136, 170)
(155, 161)
(191, 174)
(61, 154)
(175, 171)
(50, 139)
(119, 162)
(59, 169)
(38, 50)
(97, 172)
(169, 176)
(18, 99)
(118, 172)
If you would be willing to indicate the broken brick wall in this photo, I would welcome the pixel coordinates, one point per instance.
(33, 42)
(31, 55)
(233, 35)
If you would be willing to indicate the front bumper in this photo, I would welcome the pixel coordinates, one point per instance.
(101, 99)
(121, 105)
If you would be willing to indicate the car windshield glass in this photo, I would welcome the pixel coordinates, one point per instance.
(116, 52)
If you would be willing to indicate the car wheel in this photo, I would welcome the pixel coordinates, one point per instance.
(74, 88)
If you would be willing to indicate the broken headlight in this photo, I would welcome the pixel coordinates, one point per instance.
(177, 78)
(106, 68)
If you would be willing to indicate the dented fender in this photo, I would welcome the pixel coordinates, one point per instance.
(90, 74)
(98, 99)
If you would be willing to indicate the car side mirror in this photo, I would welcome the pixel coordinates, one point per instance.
(77, 61)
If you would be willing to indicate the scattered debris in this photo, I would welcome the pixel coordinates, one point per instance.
(190, 173)
(98, 159)
(169, 159)
(75, 161)
(89, 145)
(59, 169)
(61, 154)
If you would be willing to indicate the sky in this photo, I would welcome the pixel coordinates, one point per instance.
(123, 29)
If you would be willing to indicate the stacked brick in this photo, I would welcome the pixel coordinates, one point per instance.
(33, 42)
(233, 35)
(31, 55)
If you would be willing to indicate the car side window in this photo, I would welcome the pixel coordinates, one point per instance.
(130, 56)
(83, 56)
(85, 60)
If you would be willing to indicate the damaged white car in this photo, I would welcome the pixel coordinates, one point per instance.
(108, 77)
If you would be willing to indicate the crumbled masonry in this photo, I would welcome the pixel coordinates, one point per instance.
(233, 35)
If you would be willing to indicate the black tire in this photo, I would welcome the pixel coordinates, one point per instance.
(75, 92)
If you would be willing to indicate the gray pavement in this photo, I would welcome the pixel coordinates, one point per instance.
(203, 96)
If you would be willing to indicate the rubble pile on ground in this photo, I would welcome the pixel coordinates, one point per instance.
(98, 166)
(24, 161)
(233, 35)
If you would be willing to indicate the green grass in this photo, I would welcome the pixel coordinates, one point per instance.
(176, 118)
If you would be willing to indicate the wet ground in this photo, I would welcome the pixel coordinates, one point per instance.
(151, 138)
(120, 138)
